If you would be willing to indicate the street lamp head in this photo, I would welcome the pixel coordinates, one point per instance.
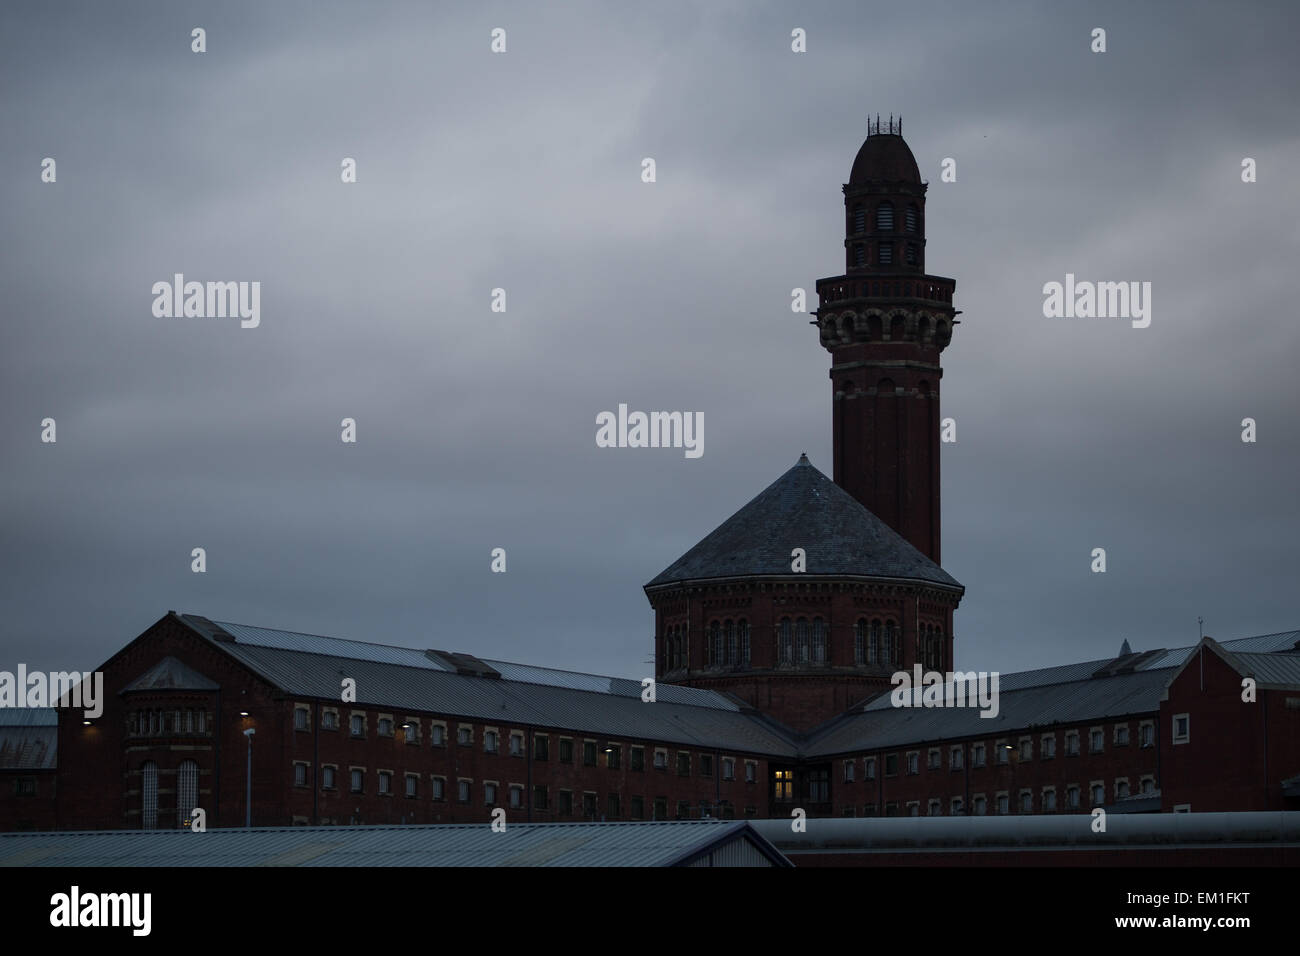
(249, 732)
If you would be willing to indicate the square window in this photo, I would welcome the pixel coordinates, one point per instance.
(637, 809)
(1121, 735)
(932, 759)
(385, 781)
(327, 778)
(329, 720)
(1182, 728)
(358, 725)
(565, 808)
(638, 758)
(300, 718)
(438, 735)
(891, 765)
(848, 771)
(516, 795)
(516, 745)
(728, 768)
(462, 791)
(385, 726)
(613, 756)
(439, 788)
(1096, 740)
(358, 779)
(589, 753)
(913, 762)
(751, 771)
(955, 758)
(541, 747)
(412, 785)
(566, 750)
(706, 765)
(490, 742)
(490, 794)
(683, 763)
(539, 797)
(465, 736)
(869, 768)
(661, 760)
(300, 775)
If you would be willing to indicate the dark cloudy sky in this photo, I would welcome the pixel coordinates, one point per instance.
(522, 171)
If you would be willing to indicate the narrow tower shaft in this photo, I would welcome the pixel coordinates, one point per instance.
(885, 321)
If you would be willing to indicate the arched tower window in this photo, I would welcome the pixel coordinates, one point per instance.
(149, 795)
(875, 657)
(911, 253)
(731, 644)
(715, 644)
(786, 653)
(885, 217)
(893, 643)
(860, 642)
(885, 253)
(801, 635)
(819, 641)
(859, 255)
(187, 791)
(859, 219)
(743, 627)
(909, 219)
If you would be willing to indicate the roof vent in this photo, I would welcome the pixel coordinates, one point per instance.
(1127, 663)
(465, 664)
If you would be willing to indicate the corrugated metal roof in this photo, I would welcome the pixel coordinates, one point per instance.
(29, 717)
(515, 703)
(882, 725)
(29, 748)
(332, 646)
(1282, 669)
(667, 843)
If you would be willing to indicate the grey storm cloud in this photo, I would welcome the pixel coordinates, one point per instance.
(522, 171)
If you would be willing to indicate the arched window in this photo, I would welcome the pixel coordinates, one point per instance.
(819, 641)
(938, 648)
(859, 219)
(860, 642)
(731, 644)
(744, 643)
(893, 643)
(801, 635)
(786, 650)
(885, 217)
(909, 219)
(187, 791)
(875, 649)
(715, 644)
(149, 795)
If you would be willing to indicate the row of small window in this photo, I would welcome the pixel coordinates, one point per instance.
(876, 288)
(801, 641)
(1048, 801)
(884, 253)
(167, 722)
(884, 218)
(1003, 751)
(491, 793)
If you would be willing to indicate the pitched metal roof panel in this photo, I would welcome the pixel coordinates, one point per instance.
(665, 843)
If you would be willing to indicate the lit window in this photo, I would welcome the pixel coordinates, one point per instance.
(784, 781)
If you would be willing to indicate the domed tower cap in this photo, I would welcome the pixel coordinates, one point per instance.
(884, 156)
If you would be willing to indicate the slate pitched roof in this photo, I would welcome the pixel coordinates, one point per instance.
(804, 509)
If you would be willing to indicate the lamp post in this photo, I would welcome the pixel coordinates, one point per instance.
(248, 799)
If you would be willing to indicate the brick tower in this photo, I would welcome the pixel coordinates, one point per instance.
(885, 321)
